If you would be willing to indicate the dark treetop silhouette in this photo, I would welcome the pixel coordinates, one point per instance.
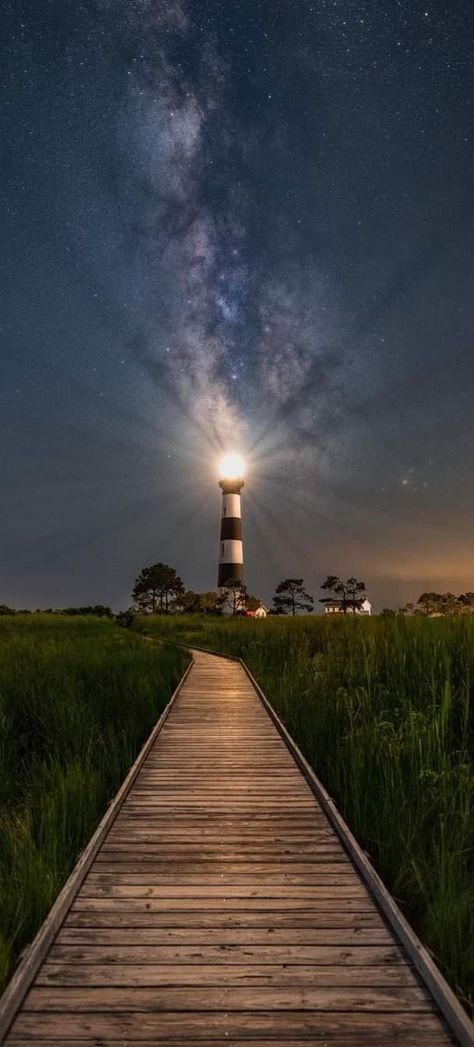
(155, 588)
(291, 597)
(350, 594)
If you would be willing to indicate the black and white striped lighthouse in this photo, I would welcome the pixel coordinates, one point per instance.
(231, 553)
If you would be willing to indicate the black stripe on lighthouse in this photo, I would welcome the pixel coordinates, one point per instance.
(229, 572)
(231, 527)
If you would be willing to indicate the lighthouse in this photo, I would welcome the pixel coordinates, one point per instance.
(231, 554)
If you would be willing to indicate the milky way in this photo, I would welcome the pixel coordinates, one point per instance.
(237, 224)
(234, 335)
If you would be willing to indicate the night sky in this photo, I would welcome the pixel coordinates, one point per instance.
(236, 225)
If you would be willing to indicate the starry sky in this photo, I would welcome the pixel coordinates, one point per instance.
(246, 225)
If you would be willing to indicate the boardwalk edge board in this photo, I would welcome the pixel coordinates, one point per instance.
(34, 954)
(450, 1007)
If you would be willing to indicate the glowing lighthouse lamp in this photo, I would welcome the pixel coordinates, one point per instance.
(231, 556)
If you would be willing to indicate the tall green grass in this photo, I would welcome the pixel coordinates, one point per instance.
(383, 711)
(78, 697)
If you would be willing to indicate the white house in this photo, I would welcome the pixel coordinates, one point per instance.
(352, 607)
(260, 612)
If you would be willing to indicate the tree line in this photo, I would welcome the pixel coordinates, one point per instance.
(98, 610)
(436, 605)
(159, 589)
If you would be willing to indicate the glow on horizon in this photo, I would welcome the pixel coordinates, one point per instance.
(231, 466)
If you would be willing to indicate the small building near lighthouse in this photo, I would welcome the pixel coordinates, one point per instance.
(260, 612)
(363, 607)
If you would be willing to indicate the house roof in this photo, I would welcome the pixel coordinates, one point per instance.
(349, 603)
(340, 603)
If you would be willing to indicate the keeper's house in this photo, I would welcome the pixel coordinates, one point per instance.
(352, 607)
(259, 612)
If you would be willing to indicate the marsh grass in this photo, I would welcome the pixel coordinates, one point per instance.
(78, 697)
(383, 711)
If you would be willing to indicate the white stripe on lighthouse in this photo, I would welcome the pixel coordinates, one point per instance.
(231, 551)
(231, 505)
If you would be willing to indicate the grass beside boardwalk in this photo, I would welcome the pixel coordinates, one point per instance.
(383, 710)
(78, 697)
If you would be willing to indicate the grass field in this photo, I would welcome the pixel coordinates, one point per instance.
(78, 697)
(383, 710)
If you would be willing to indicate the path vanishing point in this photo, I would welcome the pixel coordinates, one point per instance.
(223, 901)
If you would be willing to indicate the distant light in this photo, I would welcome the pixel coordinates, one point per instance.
(232, 466)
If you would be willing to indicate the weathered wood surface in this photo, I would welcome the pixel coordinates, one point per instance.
(222, 907)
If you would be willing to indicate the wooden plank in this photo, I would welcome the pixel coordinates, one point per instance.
(228, 852)
(144, 834)
(225, 804)
(179, 905)
(223, 998)
(117, 916)
(408, 1041)
(224, 778)
(210, 892)
(343, 937)
(278, 848)
(211, 975)
(298, 953)
(137, 874)
(255, 822)
(152, 852)
(414, 1029)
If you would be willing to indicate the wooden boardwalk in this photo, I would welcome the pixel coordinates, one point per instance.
(222, 907)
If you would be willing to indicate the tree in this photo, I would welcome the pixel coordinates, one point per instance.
(155, 587)
(188, 602)
(209, 603)
(291, 597)
(350, 593)
(466, 603)
(432, 605)
(429, 604)
(232, 598)
(450, 604)
(387, 612)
